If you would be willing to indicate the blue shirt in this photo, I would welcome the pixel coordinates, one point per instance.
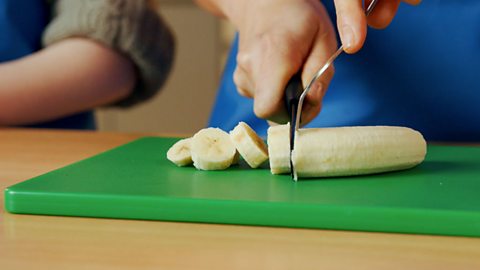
(423, 72)
(21, 26)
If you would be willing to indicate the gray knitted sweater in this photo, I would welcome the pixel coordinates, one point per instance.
(132, 27)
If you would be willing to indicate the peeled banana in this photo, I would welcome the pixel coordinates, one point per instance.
(322, 152)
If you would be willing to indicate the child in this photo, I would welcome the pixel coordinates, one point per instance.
(96, 53)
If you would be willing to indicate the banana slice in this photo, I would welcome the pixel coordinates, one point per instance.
(278, 140)
(250, 146)
(180, 154)
(212, 149)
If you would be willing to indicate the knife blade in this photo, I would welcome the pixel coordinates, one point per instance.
(293, 91)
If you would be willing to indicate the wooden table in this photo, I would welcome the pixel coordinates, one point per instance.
(48, 242)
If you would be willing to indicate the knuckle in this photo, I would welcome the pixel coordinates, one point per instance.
(261, 113)
(244, 60)
(327, 78)
(241, 82)
(243, 92)
(237, 77)
(329, 73)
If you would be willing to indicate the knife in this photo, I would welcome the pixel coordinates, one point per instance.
(293, 91)
(295, 95)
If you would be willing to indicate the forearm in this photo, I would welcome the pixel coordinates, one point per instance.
(70, 76)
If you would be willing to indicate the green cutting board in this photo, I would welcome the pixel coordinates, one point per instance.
(136, 181)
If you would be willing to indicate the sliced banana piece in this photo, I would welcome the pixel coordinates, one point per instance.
(212, 149)
(180, 153)
(250, 146)
(278, 140)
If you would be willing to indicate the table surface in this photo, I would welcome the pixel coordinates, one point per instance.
(48, 242)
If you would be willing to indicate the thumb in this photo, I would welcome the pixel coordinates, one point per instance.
(352, 24)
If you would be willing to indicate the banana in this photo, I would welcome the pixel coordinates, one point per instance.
(318, 152)
(344, 151)
(179, 153)
(250, 146)
(278, 140)
(212, 149)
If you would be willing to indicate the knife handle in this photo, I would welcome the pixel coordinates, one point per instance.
(293, 91)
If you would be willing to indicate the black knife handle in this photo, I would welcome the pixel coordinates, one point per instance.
(293, 91)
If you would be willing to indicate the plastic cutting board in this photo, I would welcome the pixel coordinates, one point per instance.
(136, 181)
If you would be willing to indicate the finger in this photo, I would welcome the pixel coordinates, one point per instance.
(351, 23)
(314, 98)
(243, 82)
(309, 112)
(275, 64)
(244, 92)
(324, 46)
(383, 13)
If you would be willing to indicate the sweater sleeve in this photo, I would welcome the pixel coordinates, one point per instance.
(132, 27)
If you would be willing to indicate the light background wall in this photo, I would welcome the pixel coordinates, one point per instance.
(184, 104)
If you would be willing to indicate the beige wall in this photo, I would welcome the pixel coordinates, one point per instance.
(184, 104)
